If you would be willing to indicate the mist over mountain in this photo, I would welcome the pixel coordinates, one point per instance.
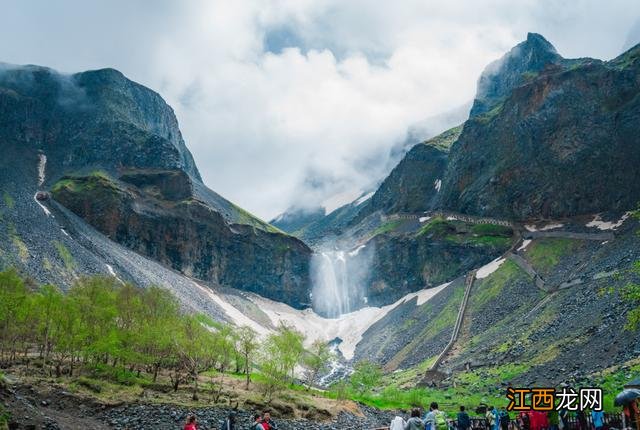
(503, 240)
(110, 151)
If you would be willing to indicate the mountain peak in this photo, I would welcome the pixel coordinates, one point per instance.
(538, 41)
(526, 59)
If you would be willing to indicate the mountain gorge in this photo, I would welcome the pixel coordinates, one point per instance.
(487, 246)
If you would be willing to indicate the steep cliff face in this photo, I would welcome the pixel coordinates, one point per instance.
(110, 150)
(91, 119)
(414, 255)
(155, 214)
(564, 143)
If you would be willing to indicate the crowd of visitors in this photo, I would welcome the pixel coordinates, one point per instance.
(493, 418)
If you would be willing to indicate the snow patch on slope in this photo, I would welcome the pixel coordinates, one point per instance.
(524, 245)
(42, 163)
(348, 327)
(112, 272)
(232, 312)
(551, 226)
(356, 251)
(44, 208)
(598, 223)
(489, 268)
(364, 198)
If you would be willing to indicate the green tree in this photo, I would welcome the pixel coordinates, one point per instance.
(67, 334)
(316, 360)
(48, 302)
(282, 352)
(365, 377)
(160, 315)
(13, 306)
(196, 350)
(247, 343)
(96, 298)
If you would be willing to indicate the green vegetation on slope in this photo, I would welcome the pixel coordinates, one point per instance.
(436, 226)
(612, 380)
(545, 253)
(8, 200)
(490, 288)
(467, 234)
(83, 183)
(631, 291)
(444, 140)
(387, 227)
(65, 255)
(244, 217)
(18, 244)
(488, 116)
(468, 388)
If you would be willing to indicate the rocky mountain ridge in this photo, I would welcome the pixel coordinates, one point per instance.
(110, 150)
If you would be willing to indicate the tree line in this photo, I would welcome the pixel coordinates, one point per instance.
(101, 321)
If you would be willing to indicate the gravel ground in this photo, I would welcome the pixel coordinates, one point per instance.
(43, 408)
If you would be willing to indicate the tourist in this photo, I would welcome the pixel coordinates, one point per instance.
(439, 418)
(582, 420)
(267, 422)
(191, 423)
(429, 419)
(525, 420)
(397, 423)
(490, 418)
(414, 423)
(229, 422)
(496, 418)
(598, 419)
(554, 420)
(504, 419)
(464, 422)
(563, 423)
(257, 422)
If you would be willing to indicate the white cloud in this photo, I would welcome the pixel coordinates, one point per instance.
(318, 119)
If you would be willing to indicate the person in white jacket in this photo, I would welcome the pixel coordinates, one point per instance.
(397, 424)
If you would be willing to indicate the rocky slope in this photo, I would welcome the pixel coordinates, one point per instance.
(563, 143)
(564, 333)
(110, 150)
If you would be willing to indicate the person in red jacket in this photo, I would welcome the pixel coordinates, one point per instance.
(535, 420)
(525, 420)
(267, 422)
(191, 423)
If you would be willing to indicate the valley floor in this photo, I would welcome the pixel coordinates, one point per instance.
(118, 399)
(31, 401)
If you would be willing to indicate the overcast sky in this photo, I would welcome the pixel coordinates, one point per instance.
(295, 102)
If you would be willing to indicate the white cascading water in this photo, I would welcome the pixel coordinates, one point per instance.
(338, 278)
(331, 284)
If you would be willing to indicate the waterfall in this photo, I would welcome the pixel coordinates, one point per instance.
(338, 279)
